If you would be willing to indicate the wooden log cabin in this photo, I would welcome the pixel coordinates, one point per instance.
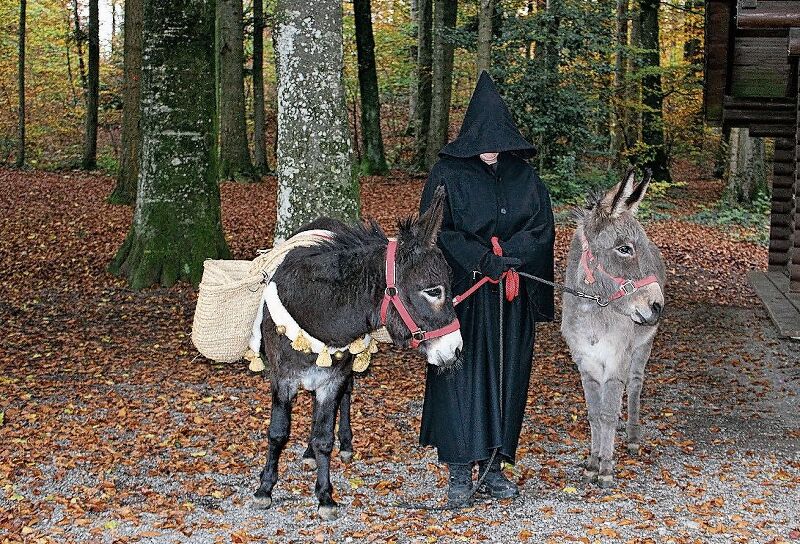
(752, 48)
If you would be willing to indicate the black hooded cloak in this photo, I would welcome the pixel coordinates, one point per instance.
(462, 415)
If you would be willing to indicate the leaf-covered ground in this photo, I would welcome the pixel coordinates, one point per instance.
(113, 431)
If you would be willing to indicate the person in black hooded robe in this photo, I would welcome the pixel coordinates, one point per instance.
(491, 191)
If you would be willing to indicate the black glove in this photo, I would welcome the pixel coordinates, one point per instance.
(493, 265)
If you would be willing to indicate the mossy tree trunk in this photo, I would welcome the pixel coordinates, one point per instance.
(373, 161)
(234, 153)
(128, 175)
(259, 115)
(177, 224)
(89, 160)
(315, 172)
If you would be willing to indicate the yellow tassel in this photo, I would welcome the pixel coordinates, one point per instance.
(361, 361)
(339, 355)
(256, 364)
(301, 343)
(373, 346)
(324, 358)
(357, 346)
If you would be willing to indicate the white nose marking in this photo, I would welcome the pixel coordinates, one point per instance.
(443, 349)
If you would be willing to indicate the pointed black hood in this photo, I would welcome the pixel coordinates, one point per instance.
(488, 126)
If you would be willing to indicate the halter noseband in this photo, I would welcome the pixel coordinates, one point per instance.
(391, 296)
(626, 286)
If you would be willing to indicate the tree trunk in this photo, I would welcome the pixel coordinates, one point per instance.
(21, 86)
(373, 160)
(176, 225)
(652, 95)
(89, 161)
(113, 24)
(746, 172)
(128, 175)
(80, 37)
(485, 15)
(412, 55)
(633, 112)
(315, 172)
(444, 18)
(259, 115)
(422, 113)
(234, 154)
(620, 73)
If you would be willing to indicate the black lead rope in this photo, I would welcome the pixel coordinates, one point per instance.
(464, 502)
(581, 294)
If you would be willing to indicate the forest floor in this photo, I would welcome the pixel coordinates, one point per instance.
(112, 429)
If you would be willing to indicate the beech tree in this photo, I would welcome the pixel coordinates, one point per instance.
(20, 161)
(176, 223)
(444, 19)
(373, 161)
(89, 161)
(421, 115)
(127, 177)
(315, 171)
(652, 94)
(234, 153)
(484, 42)
(259, 115)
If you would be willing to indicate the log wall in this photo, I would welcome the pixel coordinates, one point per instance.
(783, 187)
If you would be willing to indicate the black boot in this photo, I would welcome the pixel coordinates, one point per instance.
(495, 483)
(460, 485)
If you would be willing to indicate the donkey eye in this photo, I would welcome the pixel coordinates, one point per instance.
(625, 250)
(434, 292)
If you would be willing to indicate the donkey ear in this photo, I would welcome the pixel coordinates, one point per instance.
(636, 197)
(614, 201)
(430, 222)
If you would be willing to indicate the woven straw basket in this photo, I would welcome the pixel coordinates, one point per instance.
(230, 292)
(229, 296)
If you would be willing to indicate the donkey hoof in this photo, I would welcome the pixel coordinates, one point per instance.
(605, 481)
(346, 456)
(309, 463)
(328, 513)
(589, 476)
(633, 449)
(262, 501)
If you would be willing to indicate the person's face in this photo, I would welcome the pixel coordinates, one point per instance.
(489, 158)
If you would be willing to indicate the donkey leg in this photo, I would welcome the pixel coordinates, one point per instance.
(345, 431)
(635, 382)
(322, 441)
(279, 427)
(609, 416)
(591, 392)
(309, 459)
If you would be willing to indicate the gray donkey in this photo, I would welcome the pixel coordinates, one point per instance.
(610, 341)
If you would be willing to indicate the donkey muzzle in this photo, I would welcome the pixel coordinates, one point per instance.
(444, 350)
(649, 318)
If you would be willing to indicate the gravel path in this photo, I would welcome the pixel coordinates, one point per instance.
(720, 463)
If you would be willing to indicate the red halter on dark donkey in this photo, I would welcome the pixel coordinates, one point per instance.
(391, 297)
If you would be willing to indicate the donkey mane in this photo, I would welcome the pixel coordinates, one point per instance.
(348, 237)
(580, 213)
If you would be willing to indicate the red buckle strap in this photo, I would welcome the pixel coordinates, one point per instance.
(390, 296)
(626, 286)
